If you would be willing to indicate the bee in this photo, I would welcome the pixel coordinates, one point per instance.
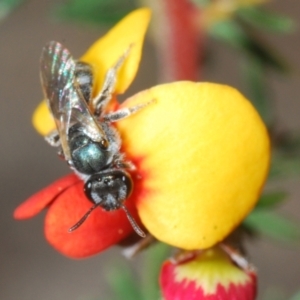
(84, 134)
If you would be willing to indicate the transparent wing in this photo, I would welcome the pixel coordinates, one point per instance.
(65, 101)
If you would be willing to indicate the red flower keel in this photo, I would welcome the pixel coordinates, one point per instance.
(40, 200)
(101, 230)
(66, 204)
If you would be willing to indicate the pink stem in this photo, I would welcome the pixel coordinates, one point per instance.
(178, 39)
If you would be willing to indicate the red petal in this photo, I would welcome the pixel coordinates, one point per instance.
(236, 292)
(101, 230)
(33, 205)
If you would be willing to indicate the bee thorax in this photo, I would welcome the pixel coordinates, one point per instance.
(88, 157)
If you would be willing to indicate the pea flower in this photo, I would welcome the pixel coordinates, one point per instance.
(208, 275)
(200, 150)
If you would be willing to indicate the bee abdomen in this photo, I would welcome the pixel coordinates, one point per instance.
(83, 75)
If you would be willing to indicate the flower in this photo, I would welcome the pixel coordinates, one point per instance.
(201, 154)
(208, 275)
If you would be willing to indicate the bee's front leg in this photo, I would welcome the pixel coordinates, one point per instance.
(109, 85)
(52, 138)
(125, 112)
(120, 163)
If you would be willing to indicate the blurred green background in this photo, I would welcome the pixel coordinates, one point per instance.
(30, 268)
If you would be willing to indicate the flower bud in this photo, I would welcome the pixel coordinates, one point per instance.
(209, 275)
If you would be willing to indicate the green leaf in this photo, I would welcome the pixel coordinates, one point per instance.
(229, 32)
(95, 12)
(201, 3)
(284, 166)
(270, 200)
(127, 286)
(288, 143)
(296, 296)
(254, 75)
(154, 256)
(285, 156)
(246, 40)
(7, 6)
(260, 17)
(123, 283)
(271, 224)
(274, 293)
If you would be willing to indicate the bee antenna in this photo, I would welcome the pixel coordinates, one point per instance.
(79, 223)
(133, 223)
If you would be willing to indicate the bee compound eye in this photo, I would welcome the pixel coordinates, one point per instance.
(104, 144)
(88, 190)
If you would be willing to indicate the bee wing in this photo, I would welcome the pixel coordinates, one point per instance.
(64, 99)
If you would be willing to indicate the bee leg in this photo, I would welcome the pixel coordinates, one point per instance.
(128, 165)
(52, 138)
(119, 162)
(142, 244)
(109, 84)
(125, 112)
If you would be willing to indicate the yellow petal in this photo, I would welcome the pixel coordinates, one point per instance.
(103, 54)
(42, 119)
(203, 155)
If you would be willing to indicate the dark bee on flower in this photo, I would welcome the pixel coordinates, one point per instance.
(85, 137)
